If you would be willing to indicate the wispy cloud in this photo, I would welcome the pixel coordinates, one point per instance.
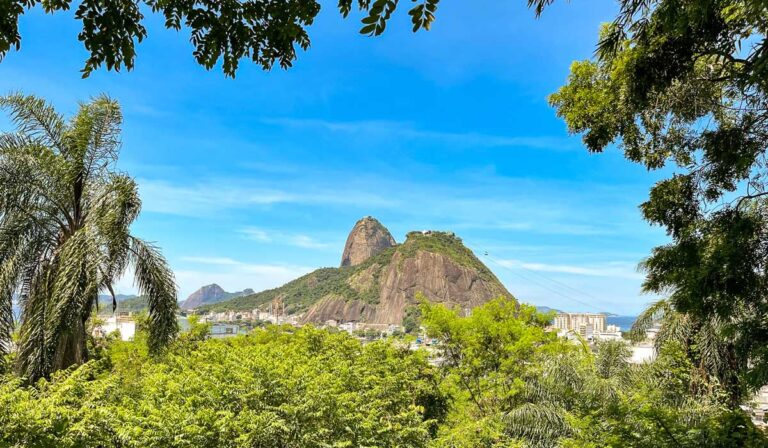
(201, 198)
(204, 198)
(234, 275)
(617, 269)
(408, 131)
(218, 261)
(298, 240)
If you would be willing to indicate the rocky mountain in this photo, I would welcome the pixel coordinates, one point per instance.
(210, 294)
(379, 287)
(366, 239)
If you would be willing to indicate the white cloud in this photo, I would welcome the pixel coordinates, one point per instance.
(307, 242)
(408, 131)
(204, 198)
(615, 269)
(298, 240)
(255, 234)
(215, 196)
(220, 261)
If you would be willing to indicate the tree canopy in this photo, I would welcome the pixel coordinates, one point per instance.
(683, 85)
(274, 388)
(221, 31)
(497, 378)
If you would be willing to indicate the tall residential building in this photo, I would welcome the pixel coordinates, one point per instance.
(586, 324)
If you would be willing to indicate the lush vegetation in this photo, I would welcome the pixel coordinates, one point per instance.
(65, 217)
(683, 85)
(512, 383)
(359, 282)
(502, 380)
(298, 294)
(273, 388)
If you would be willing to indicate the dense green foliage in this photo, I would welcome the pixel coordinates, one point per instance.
(302, 293)
(512, 383)
(683, 84)
(220, 31)
(65, 217)
(273, 388)
(412, 320)
(501, 380)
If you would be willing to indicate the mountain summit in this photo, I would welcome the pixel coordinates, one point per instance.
(367, 238)
(210, 294)
(380, 283)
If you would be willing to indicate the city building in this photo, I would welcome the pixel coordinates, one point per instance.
(222, 330)
(585, 324)
(124, 324)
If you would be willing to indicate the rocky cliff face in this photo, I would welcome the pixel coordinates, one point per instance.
(438, 276)
(366, 239)
(378, 286)
(210, 294)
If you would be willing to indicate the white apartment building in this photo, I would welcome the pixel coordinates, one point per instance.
(124, 324)
(585, 324)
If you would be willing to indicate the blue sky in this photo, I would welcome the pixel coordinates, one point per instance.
(254, 181)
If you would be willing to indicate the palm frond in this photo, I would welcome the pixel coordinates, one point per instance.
(155, 280)
(32, 360)
(34, 117)
(10, 270)
(539, 425)
(674, 327)
(612, 358)
(93, 138)
(648, 318)
(75, 288)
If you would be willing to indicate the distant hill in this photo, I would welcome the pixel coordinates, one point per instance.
(210, 294)
(125, 303)
(378, 288)
(546, 309)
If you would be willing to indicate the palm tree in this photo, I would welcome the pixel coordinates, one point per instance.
(65, 217)
(709, 343)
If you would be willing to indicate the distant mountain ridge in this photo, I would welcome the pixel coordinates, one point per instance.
(380, 281)
(210, 294)
(545, 309)
(125, 303)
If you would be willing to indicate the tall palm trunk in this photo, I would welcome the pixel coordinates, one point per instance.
(71, 348)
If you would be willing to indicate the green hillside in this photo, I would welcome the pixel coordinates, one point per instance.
(128, 304)
(298, 295)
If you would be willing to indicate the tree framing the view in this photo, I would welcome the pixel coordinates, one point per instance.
(64, 233)
(684, 84)
(221, 31)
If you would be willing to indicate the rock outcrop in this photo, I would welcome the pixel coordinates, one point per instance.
(379, 279)
(211, 294)
(366, 239)
(392, 286)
